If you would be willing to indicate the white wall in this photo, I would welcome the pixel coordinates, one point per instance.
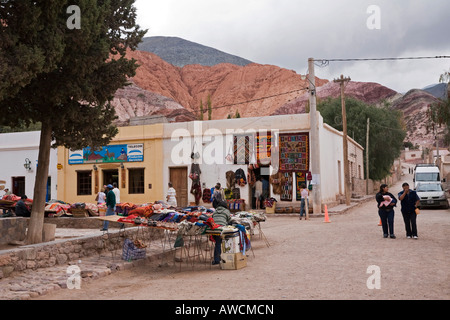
(14, 149)
(331, 151)
(213, 144)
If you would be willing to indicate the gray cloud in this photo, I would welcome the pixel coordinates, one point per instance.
(286, 32)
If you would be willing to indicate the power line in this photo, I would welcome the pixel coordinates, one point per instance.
(258, 99)
(326, 62)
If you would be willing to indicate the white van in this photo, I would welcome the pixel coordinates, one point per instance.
(426, 173)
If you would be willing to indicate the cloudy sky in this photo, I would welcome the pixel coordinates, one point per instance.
(287, 32)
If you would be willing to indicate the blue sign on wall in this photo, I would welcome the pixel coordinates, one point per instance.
(108, 154)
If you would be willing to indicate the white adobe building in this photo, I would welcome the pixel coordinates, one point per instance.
(18, 158)
(210, 142)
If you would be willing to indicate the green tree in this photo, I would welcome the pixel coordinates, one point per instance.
(200, 117)
(439, 113)
(387, 130)
(209, 104)
(71, 99)
(29, 42)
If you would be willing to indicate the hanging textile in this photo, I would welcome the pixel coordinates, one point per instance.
(263, 147)
(195, 173)
(277, 181)
(294, 152)
(242, 148)
(286, 193)
(196, 188)
(231, 181)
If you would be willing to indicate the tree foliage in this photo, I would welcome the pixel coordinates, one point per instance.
(387, 130)
(31, 42)
(439, 113)
(69, 76)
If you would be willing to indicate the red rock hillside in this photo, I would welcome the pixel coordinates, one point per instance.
(228, 85)
(371, 93)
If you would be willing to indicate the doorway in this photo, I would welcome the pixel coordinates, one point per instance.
(178, 177)
(261, 173)
(110, 176)
(18, 186)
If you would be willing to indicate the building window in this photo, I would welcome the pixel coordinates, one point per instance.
(135, 181)
(84, 183)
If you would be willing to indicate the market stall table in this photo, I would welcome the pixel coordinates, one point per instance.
(165, 235)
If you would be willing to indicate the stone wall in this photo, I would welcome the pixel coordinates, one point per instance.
(12, 229)
(77, 223)
(60, 252)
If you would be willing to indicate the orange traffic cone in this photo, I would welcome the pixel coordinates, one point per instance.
(327, 219)
(379, 223)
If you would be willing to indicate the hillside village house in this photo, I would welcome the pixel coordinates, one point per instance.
(18, 157)
(196, 155)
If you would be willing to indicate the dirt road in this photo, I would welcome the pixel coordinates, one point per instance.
(306, 260)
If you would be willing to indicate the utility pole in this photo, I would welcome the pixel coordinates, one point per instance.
(367, 156)
(314, 139)
(342, 81)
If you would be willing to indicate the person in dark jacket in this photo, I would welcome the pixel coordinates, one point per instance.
(22, 209)
(386, 203)
(110, 205)
(222, 217)
(410, 201)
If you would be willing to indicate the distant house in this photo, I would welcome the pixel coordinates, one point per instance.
(413, 155)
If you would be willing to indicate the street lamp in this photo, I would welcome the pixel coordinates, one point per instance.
(27, 164)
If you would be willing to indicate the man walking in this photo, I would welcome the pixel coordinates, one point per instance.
(410, 201)
(110, 205)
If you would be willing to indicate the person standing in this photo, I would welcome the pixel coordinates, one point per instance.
(110, 205)
(386, 203)
(116, 192)
(409, 201)
(258, 192)
(304, 200)
(218, 194)
(171, 196)
(101, 197)
(222, 217)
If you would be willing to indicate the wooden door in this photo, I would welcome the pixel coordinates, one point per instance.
(18, 186)
(178, 177)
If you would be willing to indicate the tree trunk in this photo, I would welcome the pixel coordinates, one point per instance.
(36, 224)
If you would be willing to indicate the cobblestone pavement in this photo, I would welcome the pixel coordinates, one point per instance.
(29, 284)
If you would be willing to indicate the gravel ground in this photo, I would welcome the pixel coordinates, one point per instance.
(305, 260)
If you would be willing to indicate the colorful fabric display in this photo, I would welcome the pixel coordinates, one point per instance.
(269, 202)
(236, 204)
(58, 208)
(206, 195)
(131, 251)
